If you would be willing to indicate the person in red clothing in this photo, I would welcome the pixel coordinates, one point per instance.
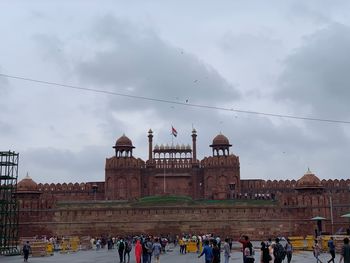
(138, 251)
(244, 240)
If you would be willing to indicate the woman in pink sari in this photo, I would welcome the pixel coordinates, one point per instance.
(138, 251)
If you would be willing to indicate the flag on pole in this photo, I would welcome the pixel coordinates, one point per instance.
(173, 131)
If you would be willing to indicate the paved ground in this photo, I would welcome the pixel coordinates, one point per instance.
(104, 256)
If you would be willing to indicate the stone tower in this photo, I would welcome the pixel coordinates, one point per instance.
(123, 172)
(221, 171)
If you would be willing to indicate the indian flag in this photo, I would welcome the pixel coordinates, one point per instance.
(173, 131)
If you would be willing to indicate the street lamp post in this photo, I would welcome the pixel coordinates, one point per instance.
(331, 207)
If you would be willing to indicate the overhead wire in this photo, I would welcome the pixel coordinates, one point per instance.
(175, 102)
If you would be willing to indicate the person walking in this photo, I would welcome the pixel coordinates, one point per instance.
(345, 252)
(121, 249)
(156, 250)
(149, 246)
(216, 252)
(138, 251)
(270, 245)
(26, 250)
(207, 251)
(317, 251)
(185, 245)
(181, 243)
(278, 251)
(265, 253)
(244, 240)
(249, 253)
(227, 250)
(98, 244)
(331, 249)
(198, 243)
(289, 250)
(144, 252)
(127, 250)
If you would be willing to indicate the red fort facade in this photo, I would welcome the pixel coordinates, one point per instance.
(111, 207)
(172, 170)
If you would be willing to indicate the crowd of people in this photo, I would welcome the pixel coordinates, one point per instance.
(270, 251)
(144, 247)
(147, 248)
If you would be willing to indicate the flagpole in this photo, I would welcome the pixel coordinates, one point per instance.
(171, 153)
(164, 177)
(172, 146)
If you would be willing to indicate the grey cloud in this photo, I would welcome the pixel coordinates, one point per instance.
(52, 49)
(138, 62)
(4, 93)
(6, 129)
(246, 43)
(251, 54)
(269, 150)
(35, 14)
(130, 58)
(3, 86)
(134, 60)
(287, 137)
(64, 165)
(316, 13)
(316, 74)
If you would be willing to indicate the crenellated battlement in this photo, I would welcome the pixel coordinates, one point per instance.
(230, 160)
(70, 187)
(122, 162)
(255, 184)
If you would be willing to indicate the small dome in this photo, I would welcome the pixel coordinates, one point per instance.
(123, 141)
(309, 180)
(220, 140)
(188, 147)
(156, 147)
(27, 184)
(178, 147)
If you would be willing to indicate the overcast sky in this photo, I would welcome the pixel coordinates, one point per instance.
(280, 57)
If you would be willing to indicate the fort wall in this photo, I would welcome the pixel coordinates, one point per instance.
(106, 218)
(110, 207)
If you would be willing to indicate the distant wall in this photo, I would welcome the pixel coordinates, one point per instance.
(53, 212)
(108, 219)
(70, 191)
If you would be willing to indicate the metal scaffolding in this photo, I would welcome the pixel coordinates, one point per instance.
(8, 203)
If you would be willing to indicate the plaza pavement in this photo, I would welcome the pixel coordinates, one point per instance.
(172, 256)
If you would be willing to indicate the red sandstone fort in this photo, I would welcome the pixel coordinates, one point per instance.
(111, 207)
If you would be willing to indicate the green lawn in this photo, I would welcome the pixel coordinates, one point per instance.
(188, 201)
(164, 200)
(170, 200)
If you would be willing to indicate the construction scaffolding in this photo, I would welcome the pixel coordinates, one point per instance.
(8, 203)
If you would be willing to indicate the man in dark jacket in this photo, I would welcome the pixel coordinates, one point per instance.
(278, 251)
(26, 249)
(207, 251)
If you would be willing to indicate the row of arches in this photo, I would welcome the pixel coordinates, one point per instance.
(76, 187)
(125, 162)
(174, 155)
(288, 184)
(174, 163)
(213, 161)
